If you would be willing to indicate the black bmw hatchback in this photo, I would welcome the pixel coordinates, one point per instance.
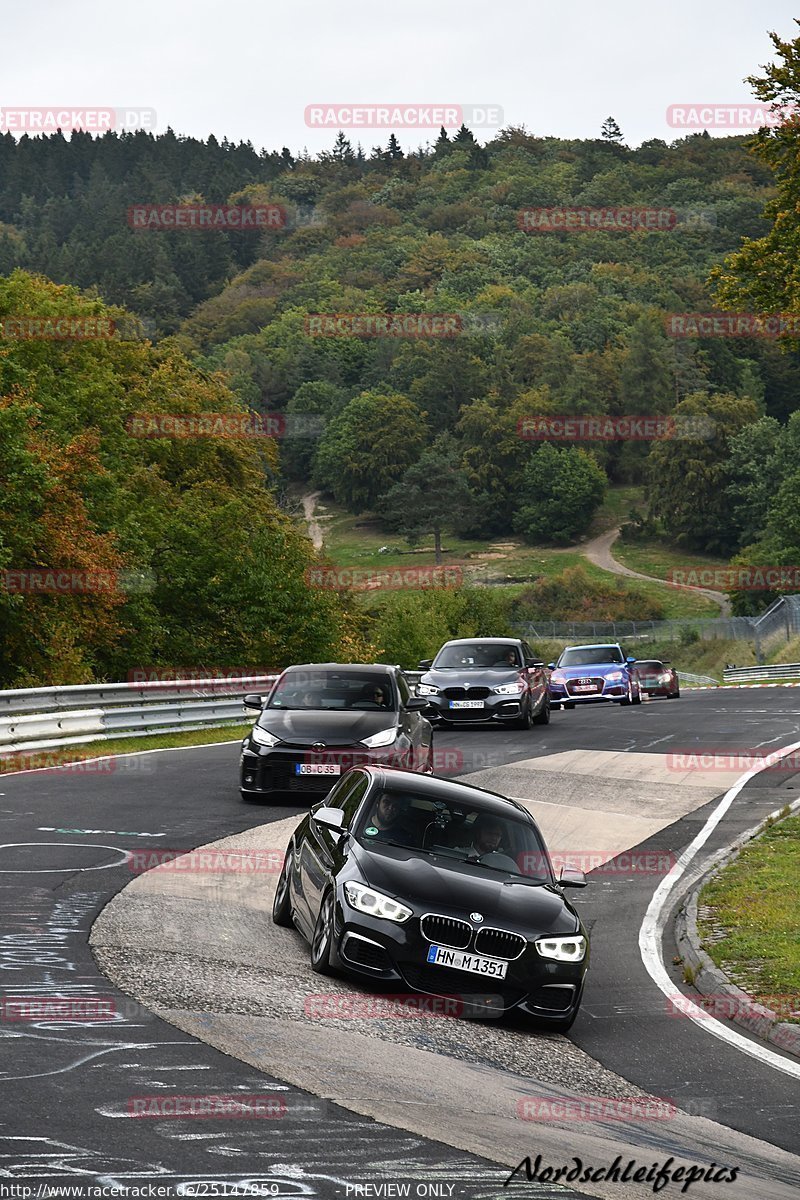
(321, 719)
(437, 886)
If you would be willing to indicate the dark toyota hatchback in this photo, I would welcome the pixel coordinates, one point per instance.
(486, 679)
(439, 887)
(321, 719)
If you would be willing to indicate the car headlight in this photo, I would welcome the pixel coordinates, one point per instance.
(614, 676)
(376, 904)
(384, 738)
(427, 689)
(563, 949)
(263, 737)
(509, 689)
(558, 677)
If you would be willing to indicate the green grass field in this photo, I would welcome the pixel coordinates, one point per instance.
(753, 904)
(356, 541)
(659, 558)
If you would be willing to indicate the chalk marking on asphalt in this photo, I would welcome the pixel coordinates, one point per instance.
(654, 921)
(56, 870)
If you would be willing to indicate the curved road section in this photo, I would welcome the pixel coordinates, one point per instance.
(209, 999)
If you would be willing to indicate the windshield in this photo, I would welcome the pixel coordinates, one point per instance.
(477, 656)
(589, 656)
(362, 691)
(506, 843)
(649, 665)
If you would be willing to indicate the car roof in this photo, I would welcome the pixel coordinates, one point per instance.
(441, 789)
(375, 668)
(486, 640)
(593, 646)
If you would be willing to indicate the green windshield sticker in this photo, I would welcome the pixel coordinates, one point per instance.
(371, 830)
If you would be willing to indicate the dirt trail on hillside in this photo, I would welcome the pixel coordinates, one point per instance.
(314, 527)
(598, 551)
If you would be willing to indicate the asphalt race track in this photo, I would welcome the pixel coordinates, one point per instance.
(600, 780)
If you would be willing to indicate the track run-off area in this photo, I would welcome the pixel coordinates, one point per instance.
(197, 993)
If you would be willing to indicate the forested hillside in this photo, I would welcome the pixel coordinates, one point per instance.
(480, 320)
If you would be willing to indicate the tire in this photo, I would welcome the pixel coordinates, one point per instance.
(676, 695)
(322, 939)
(282, 905)
(636, 697)
(543, 716)
(525, 722)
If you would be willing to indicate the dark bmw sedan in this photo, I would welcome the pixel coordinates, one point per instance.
(485, 679)
(321, 719)
(436, 887)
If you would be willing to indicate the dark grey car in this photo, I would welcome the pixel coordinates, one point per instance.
(485, 679)
(323, 718)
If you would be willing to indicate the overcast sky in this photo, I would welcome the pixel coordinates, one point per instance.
(248, 69)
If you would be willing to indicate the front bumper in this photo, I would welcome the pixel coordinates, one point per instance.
(562, 693)
(493, 708)
(396, 957)
(271, 770)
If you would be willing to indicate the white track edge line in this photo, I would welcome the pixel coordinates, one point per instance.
(655, 920)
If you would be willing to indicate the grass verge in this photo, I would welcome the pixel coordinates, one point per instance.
(750, 924)
(11, 761)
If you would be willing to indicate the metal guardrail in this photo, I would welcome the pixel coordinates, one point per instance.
(689, 679)
(776, 671)
(46, 718)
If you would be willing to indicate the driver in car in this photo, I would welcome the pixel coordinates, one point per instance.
(487, 837)
(386, 823)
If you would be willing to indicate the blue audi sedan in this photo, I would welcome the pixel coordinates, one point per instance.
(591, 673)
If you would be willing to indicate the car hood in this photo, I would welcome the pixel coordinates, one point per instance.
(471, 677)
(305, 727)
(440, 885)
(593, 669)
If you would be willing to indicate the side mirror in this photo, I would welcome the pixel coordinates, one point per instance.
(630, 660)
(533, 662)
(425, 664)
(416, 704)
(252, 700)
(331, 818)
(572, 877)
(551, 666)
